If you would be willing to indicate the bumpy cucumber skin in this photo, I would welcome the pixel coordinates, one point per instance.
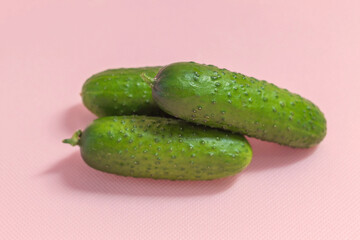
(162, 148)
(120, 92)
(205, 94)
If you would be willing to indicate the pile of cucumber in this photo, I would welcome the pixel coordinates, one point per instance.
(186, 121)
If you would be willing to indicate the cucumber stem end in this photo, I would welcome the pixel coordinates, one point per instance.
(75, 139)
(149, 80)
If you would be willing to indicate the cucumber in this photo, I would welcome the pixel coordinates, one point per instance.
(161, 148)
(120, 92)
(205, 94)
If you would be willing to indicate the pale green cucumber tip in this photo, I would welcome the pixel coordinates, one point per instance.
(149, 80)
(75, 139)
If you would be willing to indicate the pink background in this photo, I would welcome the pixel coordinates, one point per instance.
(47, 50)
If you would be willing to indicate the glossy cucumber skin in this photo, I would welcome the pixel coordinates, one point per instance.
(120, 92)
(219, 98)
(162, 148)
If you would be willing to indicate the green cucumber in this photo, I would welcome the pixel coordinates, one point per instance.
(205, 94)
(161, 148)
(120, 92)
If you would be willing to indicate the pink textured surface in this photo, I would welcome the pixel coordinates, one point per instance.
(48, 48)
